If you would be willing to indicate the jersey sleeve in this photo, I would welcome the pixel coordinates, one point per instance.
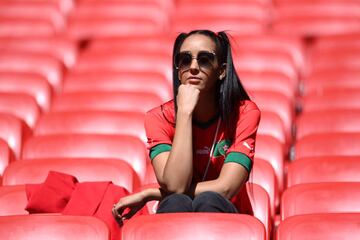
(159, 133)
(243, 148)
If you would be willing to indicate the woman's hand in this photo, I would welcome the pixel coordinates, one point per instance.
(187, 98)
(134, 202)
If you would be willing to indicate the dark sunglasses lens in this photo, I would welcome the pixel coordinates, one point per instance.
(183, 60)
(205, 59)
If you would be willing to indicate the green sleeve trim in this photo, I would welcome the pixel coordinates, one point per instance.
(156, 150)
(240, 158)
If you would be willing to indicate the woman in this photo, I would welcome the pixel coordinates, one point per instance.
(202, 142)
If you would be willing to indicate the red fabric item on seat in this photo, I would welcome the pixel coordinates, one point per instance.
(53, 195)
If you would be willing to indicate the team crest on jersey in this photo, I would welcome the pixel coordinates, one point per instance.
(221, 147)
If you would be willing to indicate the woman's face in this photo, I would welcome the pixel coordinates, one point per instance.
(198, 64)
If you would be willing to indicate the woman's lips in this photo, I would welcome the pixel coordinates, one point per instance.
(194, 80)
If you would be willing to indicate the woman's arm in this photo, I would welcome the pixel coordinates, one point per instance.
(174, 169)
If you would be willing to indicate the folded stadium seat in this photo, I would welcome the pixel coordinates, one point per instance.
(264, 2)
(33, 171)
(63, 5)
(320, 18)
(262, 174)
(328, 144)
(165, 5)
(127, 148)
(95, 61)
(53, 227)
(43, 64)
(61, 48)
(327, 121)
(92, 122)
(30, 83)
(193, 226)
(235, 25)
(111, 18)
(271, 124)
(13, 200)
(291, 46)
(159, 43)
(264, 61)
(309, 198)
(330, 226)
(22, 27)
(109, 81)
(269, 81)
(324, 169)
(332, 99)
(332, 79)
(106, 101)
(277, 103)
(20, 105)
(271, 150)
(13, 132)
(42, 10)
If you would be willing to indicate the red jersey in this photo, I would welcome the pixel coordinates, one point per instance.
(235, 143)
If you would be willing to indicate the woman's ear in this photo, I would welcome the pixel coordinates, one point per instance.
(222, 71)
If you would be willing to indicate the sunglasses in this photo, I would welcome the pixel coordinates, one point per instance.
(204, 59)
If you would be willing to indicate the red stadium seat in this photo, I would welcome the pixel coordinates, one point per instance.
(332, 79)
(13, 132)
(328, 121)
(271, 150)
(332, 99)
(95, 61)
(20, 105)
(319, 18)
(324, 169)
(21, 27)
(5, 156)
(127, 148)
(13, 200)
(271, 124)
(53, 227)
(106, 101)
(269, 81)
(64, 5)
(278, 104)
(43, 64)
(239, 25)
(29, 171)
(33, 84)
(200, 226)
(93, 122)
(108, 81)
(61, 48)
(328, 144)
(331, 226)
(310, 198)
(41, 10)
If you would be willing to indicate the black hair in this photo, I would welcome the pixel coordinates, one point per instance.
(230, 90)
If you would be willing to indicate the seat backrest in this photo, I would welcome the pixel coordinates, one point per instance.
(13, 200)
(201, 226)
(107, 81)
(106, 101)
(59, 227)
(328, 144)
(22, 27)
(331, 226)
(324, 169)
(320, 198)
(5, 156)
(92, 122)
(272, 125)
(30, 83)
(84, 169)
(327, 121)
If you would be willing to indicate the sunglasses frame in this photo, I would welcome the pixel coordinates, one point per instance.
(192, 57)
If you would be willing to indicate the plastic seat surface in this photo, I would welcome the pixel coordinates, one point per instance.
(13, 200)
(29, 171)
(5, 156)
(127, 148)
(21, 27)
(324, 169)
(271, 124)
(53, 227)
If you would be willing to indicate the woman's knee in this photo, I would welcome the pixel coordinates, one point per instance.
(175, 203)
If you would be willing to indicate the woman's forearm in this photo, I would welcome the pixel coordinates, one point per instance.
(177, 175)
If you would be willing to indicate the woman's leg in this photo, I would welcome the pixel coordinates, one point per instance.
(212, 202)
(175, 203)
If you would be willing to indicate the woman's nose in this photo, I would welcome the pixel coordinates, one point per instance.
(194, 66)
